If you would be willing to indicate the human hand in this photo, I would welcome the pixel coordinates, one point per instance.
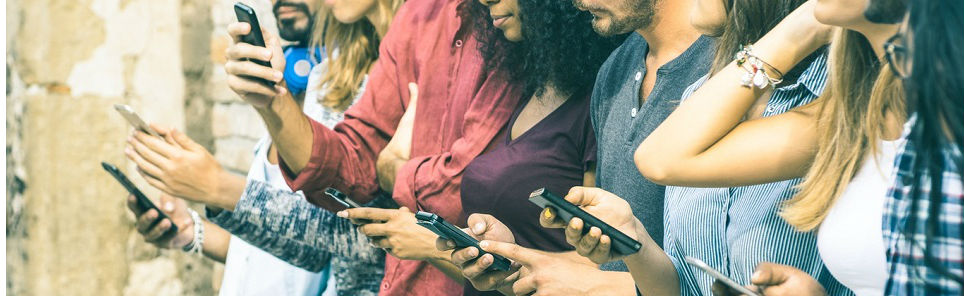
(482, 227)
(176, 165)
(603, 205)
(773, 279)
(176, 210)
(545, 273)
(399, 148)
(799, 33)
(243, 74)
(395, 231)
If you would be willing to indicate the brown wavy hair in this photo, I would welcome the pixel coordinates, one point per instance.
(351, 51)
(746, 22)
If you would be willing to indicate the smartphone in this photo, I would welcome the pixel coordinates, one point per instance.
(719, 276)
(142, 201)
(341, 198)
(246, 15)
(622, 244)
(128, 113)
(462, 240)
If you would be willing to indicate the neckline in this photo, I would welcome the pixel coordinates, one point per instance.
(509, 141)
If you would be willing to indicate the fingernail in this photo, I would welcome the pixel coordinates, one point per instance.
(484, 244)
(479, 228)
(169, 206)
(450, 244)
(756, 275)
(278, 76)
(473, 252)
(267, 54)
(343, 214)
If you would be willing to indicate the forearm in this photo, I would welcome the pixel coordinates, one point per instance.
(290, 131)
(651, 269)
(388, 166)
(216, 242)
(448, 268)
(229, 190)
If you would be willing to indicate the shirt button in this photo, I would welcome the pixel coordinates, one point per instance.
(458, 43)
(639, 75)
(634, 111)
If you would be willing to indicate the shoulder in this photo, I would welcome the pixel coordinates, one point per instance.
(424, 12)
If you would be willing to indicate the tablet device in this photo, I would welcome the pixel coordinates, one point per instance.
(622, 244)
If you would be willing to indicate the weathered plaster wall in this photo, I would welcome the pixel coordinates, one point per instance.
(68, 62)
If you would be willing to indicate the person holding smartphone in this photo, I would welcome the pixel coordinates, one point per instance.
(185, 169)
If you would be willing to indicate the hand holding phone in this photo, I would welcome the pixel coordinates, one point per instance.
(143, 202)
(246, 14)
(719, 276)
(448, 231)
(622, 244)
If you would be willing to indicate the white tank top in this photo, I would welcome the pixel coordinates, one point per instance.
(850, 239)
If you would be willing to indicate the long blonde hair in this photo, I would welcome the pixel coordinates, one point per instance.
(356, 46)
(850, 123)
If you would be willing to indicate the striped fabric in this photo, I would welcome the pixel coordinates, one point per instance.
(734, 229)
(908, 271)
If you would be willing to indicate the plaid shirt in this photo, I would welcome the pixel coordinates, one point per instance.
(908, 274)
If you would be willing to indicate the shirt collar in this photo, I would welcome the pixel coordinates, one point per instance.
(814, 76)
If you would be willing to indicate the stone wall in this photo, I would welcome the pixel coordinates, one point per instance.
(68, 62)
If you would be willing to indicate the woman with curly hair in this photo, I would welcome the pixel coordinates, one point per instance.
(550, 49)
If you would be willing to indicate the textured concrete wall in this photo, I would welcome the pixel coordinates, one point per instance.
(68, 62)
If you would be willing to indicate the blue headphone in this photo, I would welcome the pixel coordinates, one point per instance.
(298, 65)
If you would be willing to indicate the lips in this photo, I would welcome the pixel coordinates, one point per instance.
(498, 20)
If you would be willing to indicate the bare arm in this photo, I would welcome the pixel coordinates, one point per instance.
(704, 143)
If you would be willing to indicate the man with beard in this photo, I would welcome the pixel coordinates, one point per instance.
(628, 103)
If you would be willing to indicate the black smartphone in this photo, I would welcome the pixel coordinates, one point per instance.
(341, 198)
(246, 15)
(142, 201)
(622, 244)
(462, 240)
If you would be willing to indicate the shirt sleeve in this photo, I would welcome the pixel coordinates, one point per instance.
(284, 224)
(344, 158)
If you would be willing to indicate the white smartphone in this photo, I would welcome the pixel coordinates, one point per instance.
(128, 113)
(719, 276)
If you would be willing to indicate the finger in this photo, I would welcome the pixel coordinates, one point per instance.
(550, 219)
(251, 69)
(412, 94)
(159, 230)
(524, 286)
(720, 289)
(381, 242)
(602, 252)
(166, 203)
(581, 196)
(574, 231)
(142, 164)
(236, 30)
(588, 243)
(514, 252)
(161, 130)
(154, 182)
(145, 221)
(157, 145)
(248, 86)
(464, 256)
(374, 229)
(273, 42)
(769, 274)
(444, 244)
(374, 214)
(186, 142)
(245, 51)
(477, 268)
(479, 224)
(133, 206)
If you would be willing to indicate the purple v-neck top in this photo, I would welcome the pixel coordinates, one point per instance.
(554, 153)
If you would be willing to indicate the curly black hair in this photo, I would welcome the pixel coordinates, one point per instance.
(559, 46)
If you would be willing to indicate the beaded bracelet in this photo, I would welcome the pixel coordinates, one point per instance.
(756, 70)
(197, 244)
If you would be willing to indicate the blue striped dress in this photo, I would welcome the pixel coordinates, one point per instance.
(734, 229)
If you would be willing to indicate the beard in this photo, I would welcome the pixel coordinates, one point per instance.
(639, 14)
(288, 29)
(886, 11)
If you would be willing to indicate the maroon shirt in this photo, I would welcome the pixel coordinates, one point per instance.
(554, 153)
(461, 109)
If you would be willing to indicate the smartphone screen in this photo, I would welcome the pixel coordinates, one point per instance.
(719, 276)
(135, 120)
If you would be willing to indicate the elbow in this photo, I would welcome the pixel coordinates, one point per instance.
(653, 167)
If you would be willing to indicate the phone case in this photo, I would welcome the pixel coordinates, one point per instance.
(341, 198)
(142, 201)
(622, 244)
(246, 15)
(128, 113)
(462, 240)
(719, 276)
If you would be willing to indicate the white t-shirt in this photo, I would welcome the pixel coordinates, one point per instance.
(850, 239)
